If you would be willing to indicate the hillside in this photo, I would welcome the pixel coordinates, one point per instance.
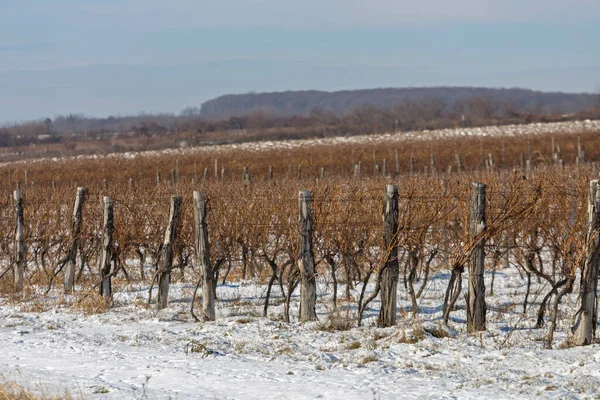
(303, 102)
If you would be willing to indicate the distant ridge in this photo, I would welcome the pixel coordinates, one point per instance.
(339, 102)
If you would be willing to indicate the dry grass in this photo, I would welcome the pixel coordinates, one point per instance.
(337, 321)
(91, 303)
(12, 390)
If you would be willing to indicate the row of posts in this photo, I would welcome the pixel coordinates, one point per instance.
(526, 162)
(586, 318)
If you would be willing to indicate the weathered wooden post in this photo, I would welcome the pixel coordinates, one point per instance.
(132, 183)
(195, 173)
(223, 173)
(216, 169)
(389, 275)
(107, 250)
(374, 162)
(157, 178)
(580, 154)
(19, 242)
(322, 173)
(246, 175)
(412, 165)
(270, 173)
(299, 171)
(586, 318)
(205, 174)
(306, 259)
(432, 163)
(166, 259)
(397, 163)
(476, 307)
(174, 177)
(384, 168)
(203, 256)
(26, 179)
(491, 161)
(357, 169)
(529, 151)
(458, 163)
(76, 223)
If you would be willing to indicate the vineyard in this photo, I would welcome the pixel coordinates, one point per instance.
(413, 239)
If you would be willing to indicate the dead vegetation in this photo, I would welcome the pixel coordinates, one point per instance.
(533, 209)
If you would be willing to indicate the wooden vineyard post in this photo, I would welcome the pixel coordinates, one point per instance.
(397, 163)
(270, 173)
(19, 242)
(458, 163)
(76, 223)
(580, 152)
(166, 260)
(389, 276)
(374, 163)
(306, 259)
(476, 307)
(586, 317)
(203, 256)
(529, 161)
(107, 243)
(246, 176)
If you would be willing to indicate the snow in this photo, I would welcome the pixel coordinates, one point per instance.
(569, 127)
(131, 352)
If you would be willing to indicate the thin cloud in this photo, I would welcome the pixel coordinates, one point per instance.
(46, 66)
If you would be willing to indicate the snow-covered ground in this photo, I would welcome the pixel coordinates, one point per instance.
(131, 352)
(497, 131)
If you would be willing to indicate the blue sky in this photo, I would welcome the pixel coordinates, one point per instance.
(108, 57)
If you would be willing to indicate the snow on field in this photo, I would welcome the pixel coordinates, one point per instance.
(131, 352)
(503, 130)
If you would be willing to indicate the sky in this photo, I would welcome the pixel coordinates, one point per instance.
(110, 57)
